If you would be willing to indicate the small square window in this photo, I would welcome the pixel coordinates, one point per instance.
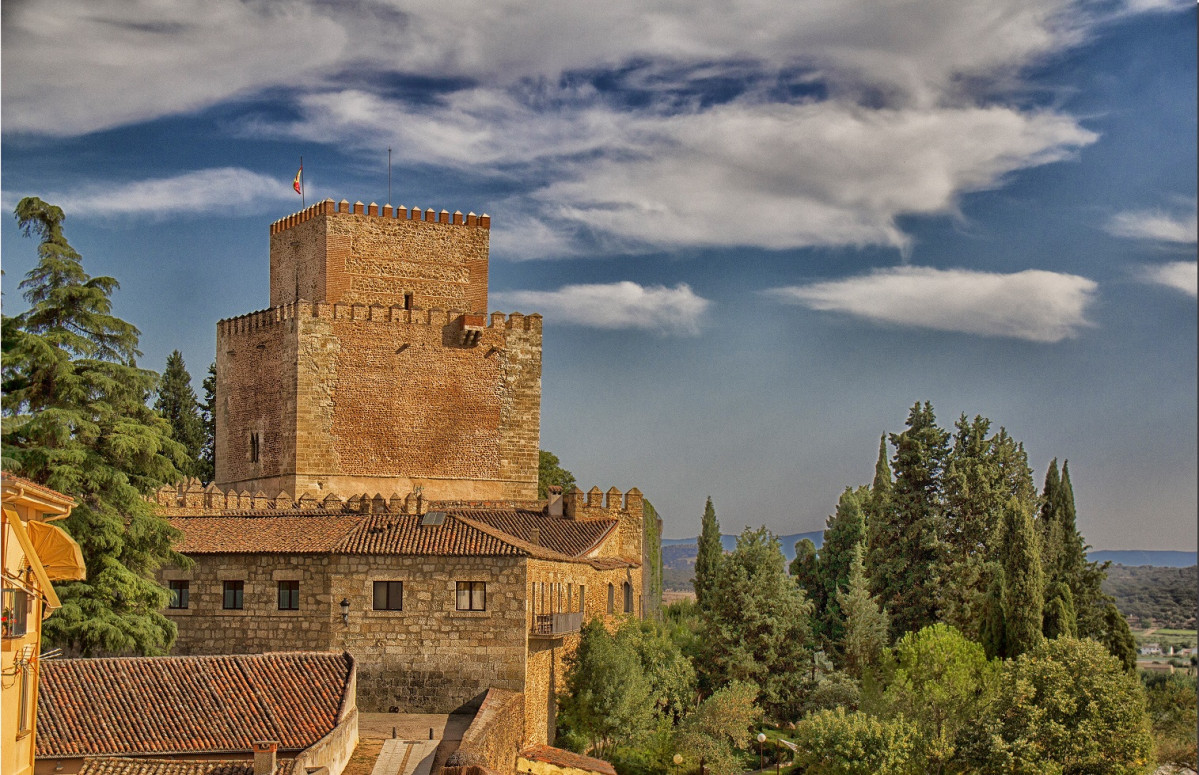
(234, 595)
(389, 596)
(472, 596)
(16, 613)
(289, 596)
(179, 594)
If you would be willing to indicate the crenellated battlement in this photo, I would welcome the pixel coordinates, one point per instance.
(401, 213)
(596, 503)
(268, 318)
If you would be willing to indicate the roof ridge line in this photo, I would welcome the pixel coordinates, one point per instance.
(533, 550)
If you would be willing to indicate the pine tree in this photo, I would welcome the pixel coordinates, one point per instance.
(1059, 619)
(865, 623)
(208, 416)
(907, 554)
(1024, 588)
(177, 403)
(708, 555)
(75, 419)
(1118, 638)
(843, 536)
(805, 569)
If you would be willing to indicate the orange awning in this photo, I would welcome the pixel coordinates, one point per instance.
(31, 559)
(60, 555)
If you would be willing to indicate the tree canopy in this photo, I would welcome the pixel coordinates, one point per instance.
(177, 403)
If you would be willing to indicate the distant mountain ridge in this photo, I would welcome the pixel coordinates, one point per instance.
(679, 553)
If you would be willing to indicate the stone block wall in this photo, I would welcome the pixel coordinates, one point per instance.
(356, 254)
(494, 736)
(431, 657)
(348, 399)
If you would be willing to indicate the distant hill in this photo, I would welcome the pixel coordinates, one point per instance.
(678, 556)
(1131, 557)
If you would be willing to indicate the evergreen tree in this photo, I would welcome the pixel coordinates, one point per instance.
(1118, 638)
(708, 555)
(1049, 524)
(755, 624)
(208, 415)
(805, 569)
(880, 489)
(844, 534)
(907, 553)
(75, 418)
(550, 472)
(992, 630)
(1060, 620)
(177, 403)
(1024, 588)
(865, 623)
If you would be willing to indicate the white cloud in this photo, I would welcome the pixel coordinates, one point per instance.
(1179, 275)
(202, 191)
(1156, 225)
(1034, 305)
(621, 305)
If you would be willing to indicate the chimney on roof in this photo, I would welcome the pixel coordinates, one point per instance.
(264, 757)
(554, 507)
(535, 536)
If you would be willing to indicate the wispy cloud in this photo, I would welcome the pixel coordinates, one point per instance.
(1179, 275)
(201, 191)
(622, 305)
(1033, 305)
(1159, 225)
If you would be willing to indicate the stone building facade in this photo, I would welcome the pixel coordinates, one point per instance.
(377, 438)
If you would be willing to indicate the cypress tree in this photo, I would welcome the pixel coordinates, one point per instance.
(843, 536)
(907, 548)
(1060, 620)
(177, 403)
(1049, 524)
(1118, 638)
(865, 632)
(708, 555)
(805, 569)
(76, 420)
(208, 415)
(993, 631)
(1024, 588)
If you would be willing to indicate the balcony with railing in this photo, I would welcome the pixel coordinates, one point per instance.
(556, 625)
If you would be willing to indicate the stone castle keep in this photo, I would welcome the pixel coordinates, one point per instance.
(377, 436)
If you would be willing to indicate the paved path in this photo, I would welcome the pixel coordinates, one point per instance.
(406, 757)
(411, 743)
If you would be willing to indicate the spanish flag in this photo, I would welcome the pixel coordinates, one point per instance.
(296, 184)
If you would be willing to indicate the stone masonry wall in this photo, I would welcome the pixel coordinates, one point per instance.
(428, 657)
(431, 657)
(494, 737)
(384, 400)
(387, 257)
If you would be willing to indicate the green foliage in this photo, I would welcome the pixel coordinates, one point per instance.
(1060, 619)
(1155, 597)
(208, 416)
(865, 623)
(708, 554)
(993, 629)
(177, 403)
(805, 569)
(1065, 707)
(608, 700)
(940, 681)
(653, 544)
(844, 533)
(719, 727)
(1024, 586)
(75, 419)
(833, 742)
(1117, 637)
(669, 672)
(551, 472)
(1172, 714)
(906, 550)
(755, 626)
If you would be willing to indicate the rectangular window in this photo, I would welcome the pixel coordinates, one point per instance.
(389, 596)
(16, 613)
(179, 593)
(472, 596)
(233, 595)
(253, 446)
(289, 596)
(582, 599)
(23, 710)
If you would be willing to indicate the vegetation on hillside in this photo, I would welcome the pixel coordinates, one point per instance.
(1155, 597)
(949, 623)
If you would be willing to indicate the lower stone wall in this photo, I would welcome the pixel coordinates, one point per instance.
(494, 737)
(333, 750)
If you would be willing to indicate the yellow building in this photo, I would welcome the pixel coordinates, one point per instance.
(35, 553)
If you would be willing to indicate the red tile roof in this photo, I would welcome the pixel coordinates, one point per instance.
(125, 766)
(404, 534)
(566, 536)
(560, 758)
(187, 705)
(12, 480)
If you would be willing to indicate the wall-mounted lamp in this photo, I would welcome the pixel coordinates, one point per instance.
(345, 611)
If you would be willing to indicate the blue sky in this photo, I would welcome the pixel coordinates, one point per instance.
(758, 231)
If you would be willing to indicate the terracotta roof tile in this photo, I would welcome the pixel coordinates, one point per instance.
(125, 766)
(566, 536)
(173, 705)
(12, 480)
(560, 758)
(310, 532)
(404, 534)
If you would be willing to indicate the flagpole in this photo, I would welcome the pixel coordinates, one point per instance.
(389, 176)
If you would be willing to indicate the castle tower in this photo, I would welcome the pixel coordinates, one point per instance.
(377, 369)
